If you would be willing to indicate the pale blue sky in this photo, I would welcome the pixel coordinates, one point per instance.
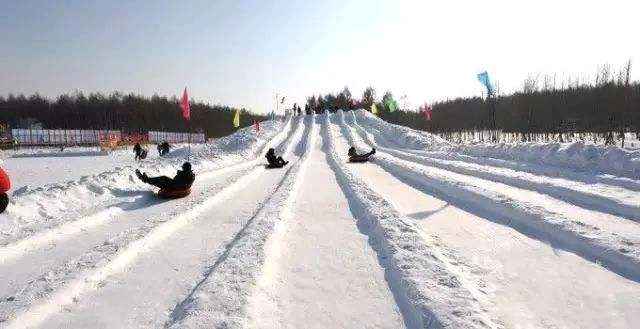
(242, 52)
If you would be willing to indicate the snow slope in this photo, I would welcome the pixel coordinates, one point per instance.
(423, 236)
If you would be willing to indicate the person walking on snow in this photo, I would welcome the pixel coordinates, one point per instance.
(355, 157)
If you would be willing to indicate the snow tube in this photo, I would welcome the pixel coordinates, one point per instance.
(5, 182)
(358, 159)
(174, 193)
(275, 166)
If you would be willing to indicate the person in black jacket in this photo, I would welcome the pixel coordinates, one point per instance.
(355, 157)
(275, 162)
(139, 152)
(183, 179)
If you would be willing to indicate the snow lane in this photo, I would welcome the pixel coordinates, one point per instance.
(429, 294)
(35, 209)
(160, 278)
(320, 271)
(52, 260)
(219, 299)
(531, 284)
(93, 280)
(600, 181)
(616, 201)
(603, 242)
(62, 232)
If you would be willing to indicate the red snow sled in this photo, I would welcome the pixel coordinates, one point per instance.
(173, 193)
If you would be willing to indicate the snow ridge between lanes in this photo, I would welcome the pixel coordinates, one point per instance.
(430, 295)
(610, 250)
(583, 198)
(219, 300)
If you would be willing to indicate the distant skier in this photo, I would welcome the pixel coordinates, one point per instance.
(139, 152)
(355, 157)
(177, 186)
(275, 162)
(5, 185)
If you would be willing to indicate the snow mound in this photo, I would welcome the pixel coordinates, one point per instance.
(408, 137)
(577, 155)
(34, 208)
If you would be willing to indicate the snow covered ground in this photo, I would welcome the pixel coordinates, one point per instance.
(426, 235)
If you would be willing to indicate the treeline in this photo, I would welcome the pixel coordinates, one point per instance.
(129, 113)
(610, 104)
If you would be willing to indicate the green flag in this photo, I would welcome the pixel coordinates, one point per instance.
(236, 119)
(391, 104)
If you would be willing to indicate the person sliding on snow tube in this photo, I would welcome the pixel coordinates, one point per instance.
(5, 185)
(176, 187)
(355, 157)
(274, 162)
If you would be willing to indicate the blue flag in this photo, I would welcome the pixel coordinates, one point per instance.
(484, 79)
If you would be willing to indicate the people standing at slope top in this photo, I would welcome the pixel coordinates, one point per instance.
(274, 162)
(355, 157)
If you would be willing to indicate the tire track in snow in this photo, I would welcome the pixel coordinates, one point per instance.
(144, 238)
(615, 253)
(582, 197)
(429, 293)
(219, 299)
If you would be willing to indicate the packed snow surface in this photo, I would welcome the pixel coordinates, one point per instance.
(424, 235)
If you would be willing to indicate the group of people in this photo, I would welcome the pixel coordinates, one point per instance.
(180, 184)
(141, 153)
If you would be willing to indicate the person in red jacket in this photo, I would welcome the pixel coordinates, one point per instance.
(5, 185)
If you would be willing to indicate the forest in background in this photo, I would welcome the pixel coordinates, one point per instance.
(127, 113)
(603, 108)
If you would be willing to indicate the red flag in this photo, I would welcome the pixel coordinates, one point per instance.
(184, 104)
(256, 125)
(426, 111)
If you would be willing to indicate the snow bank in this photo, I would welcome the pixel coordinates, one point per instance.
(609, 249)
(33, 209)
(586, 196)
(404, 135)
(577, 155)
(431, 295)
